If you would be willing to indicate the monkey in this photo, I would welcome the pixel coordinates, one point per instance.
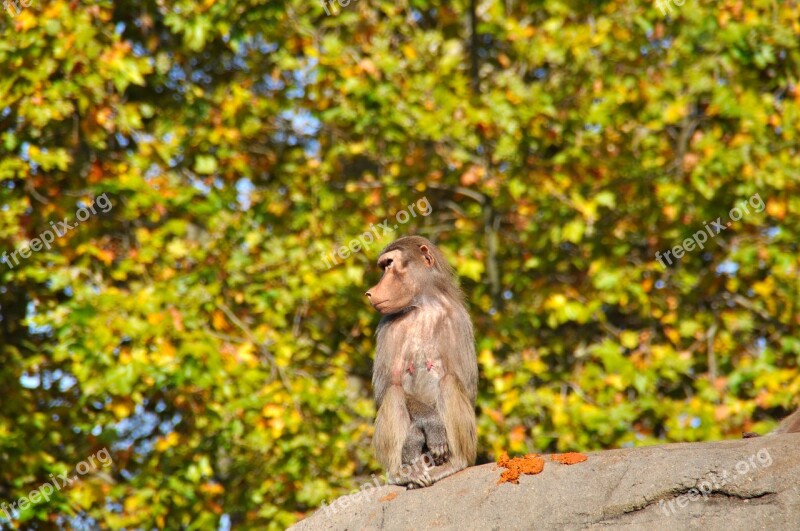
(425, 375)
(790, 424)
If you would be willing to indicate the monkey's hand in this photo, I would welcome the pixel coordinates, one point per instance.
(436, 438)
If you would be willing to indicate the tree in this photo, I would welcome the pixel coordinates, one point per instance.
(195, 329)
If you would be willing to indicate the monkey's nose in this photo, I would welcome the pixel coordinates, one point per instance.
(368, 294)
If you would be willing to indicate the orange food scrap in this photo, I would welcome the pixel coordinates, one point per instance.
(503, 459)
(530, 464)
(389, 497)
(569, 458)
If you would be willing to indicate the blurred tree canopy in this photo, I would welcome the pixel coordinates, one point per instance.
(195, 329)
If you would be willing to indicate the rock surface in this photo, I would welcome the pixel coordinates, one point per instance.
(737, 484)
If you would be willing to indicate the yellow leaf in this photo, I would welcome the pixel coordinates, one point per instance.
(212, 488)
(486, 358)
(218, 320)
(517, 434)
(765, 287)
(105, 256)
(121, 410)
(25, 21)
(555, 302)
(673, 335)
(53, 10)
(675, 112)
(776, 208)
(357, 148)
(629, 339)
(535, 366)
(272, 410)
(245, 353)
(615, 381)
(277, 426)
(165, 443)
(177, 248)
(166, 352)
(513, 98)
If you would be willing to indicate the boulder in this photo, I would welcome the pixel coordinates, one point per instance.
(737, 484)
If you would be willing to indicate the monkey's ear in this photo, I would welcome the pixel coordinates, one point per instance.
(427, 255)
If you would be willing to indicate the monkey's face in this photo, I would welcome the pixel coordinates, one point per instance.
(404, 271)
(407, 270)
(394, 291)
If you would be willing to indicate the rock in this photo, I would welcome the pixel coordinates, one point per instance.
(738, 484)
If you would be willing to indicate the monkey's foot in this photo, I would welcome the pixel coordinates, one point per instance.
(436, 442)
(440, 453)
(399, 480)
(419, 479)
(429, 476)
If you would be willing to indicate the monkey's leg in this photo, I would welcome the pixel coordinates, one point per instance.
(412, 447)
(458, 414)
(426, 419)
(391, 429)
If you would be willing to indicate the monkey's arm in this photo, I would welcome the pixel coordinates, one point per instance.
(459, 356)
(392, 425)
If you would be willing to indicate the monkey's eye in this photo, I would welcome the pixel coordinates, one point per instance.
(386, 263)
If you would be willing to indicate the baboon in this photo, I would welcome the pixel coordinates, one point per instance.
(425, 377)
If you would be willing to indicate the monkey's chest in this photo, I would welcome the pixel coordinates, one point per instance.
(421, 375)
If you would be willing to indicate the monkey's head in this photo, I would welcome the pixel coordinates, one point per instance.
(412, 268)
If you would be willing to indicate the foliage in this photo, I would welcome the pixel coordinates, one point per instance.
(195, 330)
